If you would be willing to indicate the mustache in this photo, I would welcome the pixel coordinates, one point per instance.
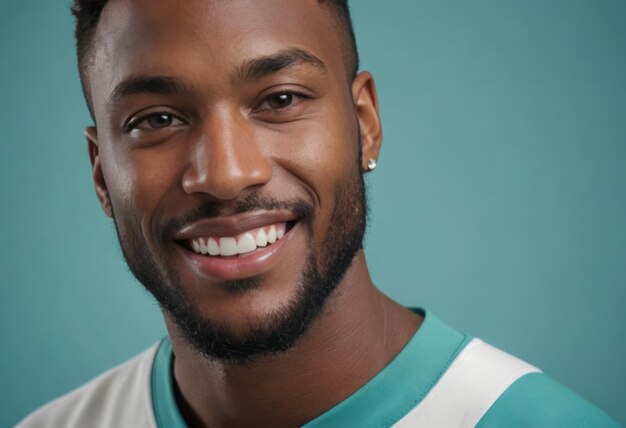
(253, 202)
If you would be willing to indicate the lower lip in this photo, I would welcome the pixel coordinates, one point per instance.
(242, 266)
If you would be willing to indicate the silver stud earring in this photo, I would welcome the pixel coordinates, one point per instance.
(371, 164)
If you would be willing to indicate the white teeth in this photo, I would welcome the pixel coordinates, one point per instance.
(271, 235)
(261, 238)
(241, 244)
(246, 243)
(228, 246)
(214, 247)
(203, 248)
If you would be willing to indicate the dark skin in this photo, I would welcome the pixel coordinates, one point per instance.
(228, 132)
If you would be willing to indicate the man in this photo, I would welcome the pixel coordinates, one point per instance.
(229, 147)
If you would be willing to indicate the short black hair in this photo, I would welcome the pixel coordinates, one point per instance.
(87, 14)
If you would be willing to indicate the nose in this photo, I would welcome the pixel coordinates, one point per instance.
(225, 158)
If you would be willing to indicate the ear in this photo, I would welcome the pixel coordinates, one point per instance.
(366, 104)
(98, 178)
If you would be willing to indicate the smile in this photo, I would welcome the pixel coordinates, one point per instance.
(239, 246)
(242, 243)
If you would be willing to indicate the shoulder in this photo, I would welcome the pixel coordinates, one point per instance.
(118, 397)
(487, 387)
(539, 401)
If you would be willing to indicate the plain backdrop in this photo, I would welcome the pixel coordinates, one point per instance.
(499, 202)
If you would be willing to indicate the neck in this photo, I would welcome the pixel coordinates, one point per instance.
(356, 336)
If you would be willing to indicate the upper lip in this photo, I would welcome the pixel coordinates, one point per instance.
(232, 225)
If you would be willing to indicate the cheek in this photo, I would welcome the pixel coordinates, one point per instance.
(319, 150)
(119, 175)
(137, 182)
(320, 155)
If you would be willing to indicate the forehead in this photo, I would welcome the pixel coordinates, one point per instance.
(210, 37)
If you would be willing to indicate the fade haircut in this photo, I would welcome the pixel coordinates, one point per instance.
(87, 14)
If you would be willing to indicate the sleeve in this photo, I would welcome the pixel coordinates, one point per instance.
(536, 400)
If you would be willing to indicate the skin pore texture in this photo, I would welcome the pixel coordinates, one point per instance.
(223, 116)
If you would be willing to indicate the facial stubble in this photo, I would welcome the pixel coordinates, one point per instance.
(320, 276)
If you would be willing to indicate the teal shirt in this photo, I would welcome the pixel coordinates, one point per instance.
(534, 400)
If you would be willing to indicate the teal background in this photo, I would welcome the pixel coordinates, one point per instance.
(499, 201)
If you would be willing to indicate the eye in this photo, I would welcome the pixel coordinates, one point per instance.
(160, 120)
(154, 121)
(280, 100)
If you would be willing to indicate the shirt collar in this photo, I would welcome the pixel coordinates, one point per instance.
(383, 400)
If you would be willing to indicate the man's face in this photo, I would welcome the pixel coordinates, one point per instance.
(229, 127)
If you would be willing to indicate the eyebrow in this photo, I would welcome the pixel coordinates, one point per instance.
(160, 85)
(250, 70)
(260, 67)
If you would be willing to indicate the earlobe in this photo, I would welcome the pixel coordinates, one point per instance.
(102, 192)
(366, 105)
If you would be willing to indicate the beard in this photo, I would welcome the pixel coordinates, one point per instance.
(281, 329)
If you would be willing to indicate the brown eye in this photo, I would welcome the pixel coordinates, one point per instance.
(154, 121)
(279, 101)
(160, 120)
